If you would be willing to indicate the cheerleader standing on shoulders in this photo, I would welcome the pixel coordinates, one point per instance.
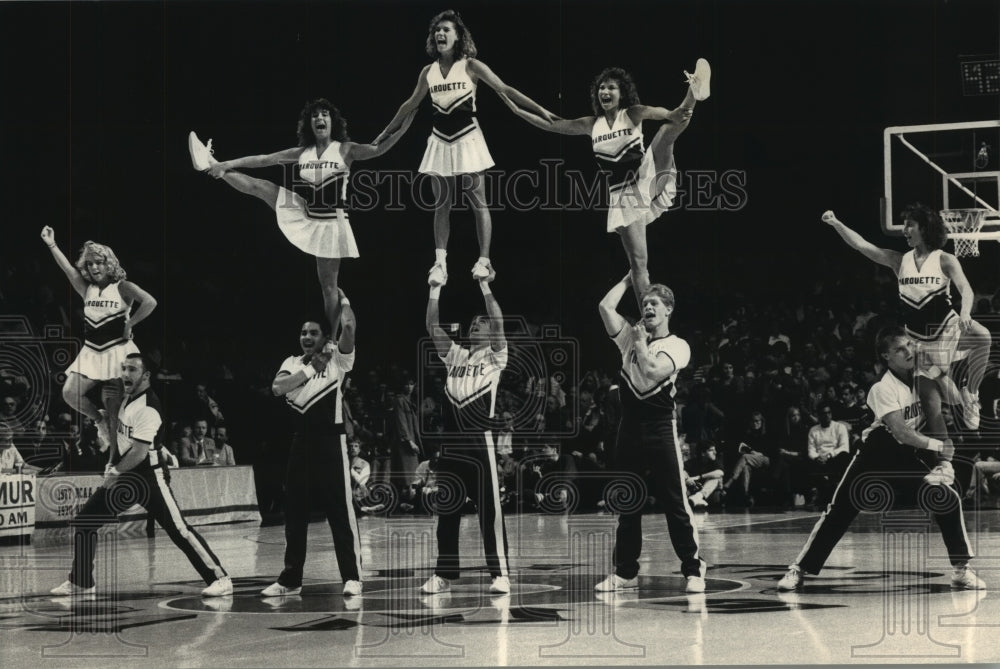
(456, 147)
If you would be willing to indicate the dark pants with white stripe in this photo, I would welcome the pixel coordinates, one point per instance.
(318, 466)
(470, 471)
(150, 488)
(652, 446)
(883, 464)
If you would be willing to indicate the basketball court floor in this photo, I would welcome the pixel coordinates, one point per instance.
(885, 597)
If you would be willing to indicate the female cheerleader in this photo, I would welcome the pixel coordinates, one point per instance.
(312, 214)
(642, 181)
(456, 146)
(108, 299)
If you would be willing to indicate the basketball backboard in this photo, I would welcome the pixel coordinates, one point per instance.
(945, 166)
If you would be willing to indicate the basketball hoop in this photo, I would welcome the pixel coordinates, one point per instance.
(963, 229)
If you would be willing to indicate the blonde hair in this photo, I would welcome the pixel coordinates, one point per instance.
(115, 270)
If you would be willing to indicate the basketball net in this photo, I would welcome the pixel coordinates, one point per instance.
(963, 228)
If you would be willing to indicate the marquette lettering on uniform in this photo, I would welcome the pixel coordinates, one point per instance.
(919, 280)
(457, 85)
(612, 135)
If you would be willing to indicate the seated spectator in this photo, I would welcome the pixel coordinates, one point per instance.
(10, 459)
(507, 468)
(205, 408)
(754, 456)
(223, 454)
(985, 475)
(203, 443)
(425, 483)
(704, 475)
(190, 453)
(793, 444)
(551, 495)
(361, 471)
(829, 453)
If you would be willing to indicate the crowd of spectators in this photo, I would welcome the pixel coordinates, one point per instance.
(769, 412)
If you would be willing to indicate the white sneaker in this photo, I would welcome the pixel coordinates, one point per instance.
(695, 584)
(698, 501)
(437, 276)
(615, 583)
(103, 431)
(220, 588)
(352, 588)
(483, 271)
(943, 474)
(792, 580)
(500, 584)
(201, 154)
(964, 578)
(70, 588)
(701, 79)
(970, 409)
(278, 590)
(435, 585)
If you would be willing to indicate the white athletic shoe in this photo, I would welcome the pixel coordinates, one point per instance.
(943, 474)
(438, 276)
(219, 588)
(352, 588)
(70, 588)
(792, 580)
(698, 501)
(483, 271)
(695, 584)
(436, 585)
(970, 409)
(278, 590)
(615, 583)
(201, 154)
(964, 578)
(701, 79)
(500, 584)
(103, 430)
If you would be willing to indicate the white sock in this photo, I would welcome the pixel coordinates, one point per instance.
(440, 256)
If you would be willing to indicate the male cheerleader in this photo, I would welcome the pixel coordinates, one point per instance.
(647, 437)
(137, 472)
(311, 384)
(468, 468)
(893, 452)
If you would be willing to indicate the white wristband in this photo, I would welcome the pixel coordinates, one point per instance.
(309, 372)
(345, 302)
(485, 287)
(113, 471)
(51, 246)
(935, 445)
(435, 292)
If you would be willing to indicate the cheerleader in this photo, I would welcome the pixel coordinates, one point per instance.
(642, 181)
(312, 214)
(108, 300)
(456, 146)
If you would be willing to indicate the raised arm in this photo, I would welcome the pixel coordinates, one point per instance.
(408, 107)
(263, 160)
(71, 272)
(442, 342)
(953, 270)
(498, 340)
(366, 151)
(144, 304)
(348, 324)
(608, 307)
(887, 257)
(489, 77)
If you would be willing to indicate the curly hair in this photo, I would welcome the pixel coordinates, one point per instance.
(932, 229)
(464, 47)
(115, 269)
(629, 93)
(304, 131)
